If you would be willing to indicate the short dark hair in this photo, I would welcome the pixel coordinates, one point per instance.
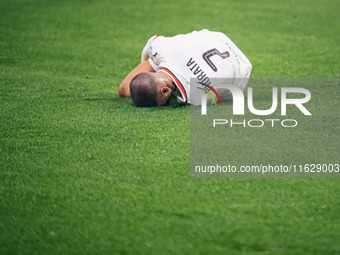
(143, 90)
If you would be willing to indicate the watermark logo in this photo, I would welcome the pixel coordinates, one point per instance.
(238, 100)
(295, 96)
(206, 90)
(264, 128)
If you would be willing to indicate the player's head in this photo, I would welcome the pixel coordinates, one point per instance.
(147, 90)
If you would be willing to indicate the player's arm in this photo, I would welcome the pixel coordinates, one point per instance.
(124, 87)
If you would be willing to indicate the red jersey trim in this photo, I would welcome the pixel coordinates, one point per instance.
(157, 37)
(176, 81)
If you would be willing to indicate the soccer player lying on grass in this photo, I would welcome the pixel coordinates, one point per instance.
(168, 63)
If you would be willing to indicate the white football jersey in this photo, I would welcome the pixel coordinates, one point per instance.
(203, 55)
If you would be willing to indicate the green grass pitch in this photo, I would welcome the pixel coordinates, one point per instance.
(83, 171)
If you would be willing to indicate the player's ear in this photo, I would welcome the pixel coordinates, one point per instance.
(165, 90)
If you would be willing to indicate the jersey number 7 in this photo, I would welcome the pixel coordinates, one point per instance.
(208, 54)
